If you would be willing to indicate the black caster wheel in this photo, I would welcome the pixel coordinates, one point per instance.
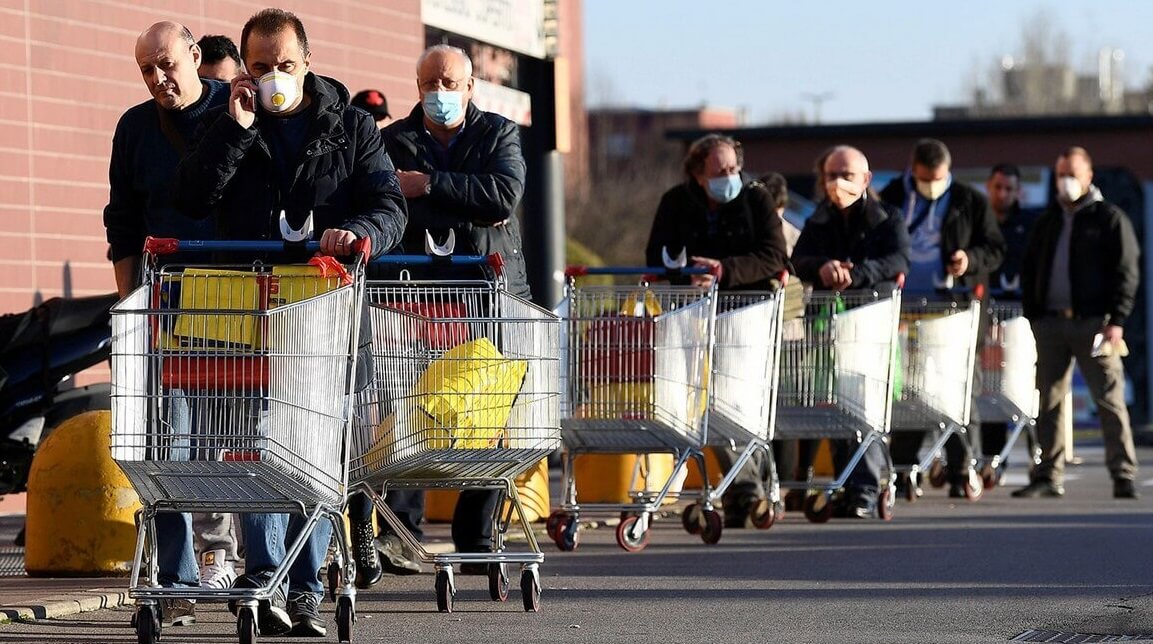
(567, 534)
(147, 622)
(246, 625)
(712, 526)
(691, 518)
(818, 507)
(445, 590)
(530, 591)
(498, 582)
(885, 503)
(335, 579)
(938, 477)
(974, 486)
(763, 514)
(345, 618)
(632, 534)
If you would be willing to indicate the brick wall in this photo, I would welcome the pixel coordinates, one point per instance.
(67, 73)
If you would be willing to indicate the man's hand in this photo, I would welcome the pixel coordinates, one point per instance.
(958, 263)
(413, 184)
(836, 275)
(242, 100)
(337, 242)
(708, 279)
(1113, 334)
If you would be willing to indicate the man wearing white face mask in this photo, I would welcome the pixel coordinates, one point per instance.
(290, 158)
(732, 228)
(955, 241)
(853, 241)
(1079, 280)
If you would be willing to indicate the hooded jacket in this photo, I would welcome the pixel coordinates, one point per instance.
(475, 188)
(343, 176)
(748, 239)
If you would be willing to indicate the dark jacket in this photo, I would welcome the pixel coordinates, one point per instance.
(1103, 262)
(142, 176)
(748, 238)
(970, 225)
(1015, 230)
(343, 176)
(873, 237)
(476, 187)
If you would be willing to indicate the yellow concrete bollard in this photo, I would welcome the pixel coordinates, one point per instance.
(80, 505)
(532, 486)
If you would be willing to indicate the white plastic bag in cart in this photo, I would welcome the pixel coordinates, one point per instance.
(1019, 363)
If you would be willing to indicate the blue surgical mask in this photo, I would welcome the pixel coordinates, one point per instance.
(443, 108)
(725, 189)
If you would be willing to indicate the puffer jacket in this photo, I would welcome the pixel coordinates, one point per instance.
(343, 177)
(475, 191)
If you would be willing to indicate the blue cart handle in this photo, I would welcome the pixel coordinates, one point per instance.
(167, 246)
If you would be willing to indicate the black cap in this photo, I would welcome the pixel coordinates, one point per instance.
(373, 102)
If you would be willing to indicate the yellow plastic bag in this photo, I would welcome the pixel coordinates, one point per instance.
(637, 305)
(470, 391)
(209, 288)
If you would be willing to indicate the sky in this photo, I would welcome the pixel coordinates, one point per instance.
(885, 60)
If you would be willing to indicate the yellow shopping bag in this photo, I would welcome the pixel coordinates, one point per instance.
(217, 289)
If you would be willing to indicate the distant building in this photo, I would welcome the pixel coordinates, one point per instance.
(628, 141)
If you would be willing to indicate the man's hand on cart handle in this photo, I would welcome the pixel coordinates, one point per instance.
(337, 242)
(716, 270)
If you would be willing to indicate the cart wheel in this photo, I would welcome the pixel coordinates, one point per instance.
(691, 518)
(885, 502)
(631, 535)
(990, 476)
(444, 591)
(568, 534)
(530, 591)
(763, 514)
(246, 626)
(937, 476)
(147, 625)
(335, 579)
(553, 523)
(974, 487)
(345, 618)
(912, 490)
(818, 507)
(498, 582)
(711, 530)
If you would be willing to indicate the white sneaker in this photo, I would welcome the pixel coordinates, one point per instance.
(216, 572)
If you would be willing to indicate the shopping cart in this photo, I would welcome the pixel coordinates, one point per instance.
(938, 339)
(231, 393)
(743, 396)
(637, 373)
(837, 371)
(467, 396)
(1008, 384)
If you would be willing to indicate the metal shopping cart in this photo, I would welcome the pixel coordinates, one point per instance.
(837, 370)
(1008, 364)
(938, 341)
(231, 392)
(637, 373)
(743, 396)
(467, 396)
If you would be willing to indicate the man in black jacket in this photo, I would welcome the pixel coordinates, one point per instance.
(850, 242)
(1079, 282)
(461, 170)
(954, 241)
(732, 228)
(290, 156)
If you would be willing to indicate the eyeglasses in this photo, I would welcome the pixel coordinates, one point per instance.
(447, 84)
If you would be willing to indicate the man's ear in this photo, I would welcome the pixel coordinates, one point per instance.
(868, 178)
(197, 55)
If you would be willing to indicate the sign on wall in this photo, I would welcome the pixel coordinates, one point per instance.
(513, 24)
(510, 103)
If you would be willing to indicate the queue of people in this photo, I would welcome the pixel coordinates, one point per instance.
(235, 139)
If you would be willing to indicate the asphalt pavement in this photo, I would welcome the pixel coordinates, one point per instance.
(1074, 569)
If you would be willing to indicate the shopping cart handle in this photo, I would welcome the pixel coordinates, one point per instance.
(579, 271)
(494, 261)
(167, 246)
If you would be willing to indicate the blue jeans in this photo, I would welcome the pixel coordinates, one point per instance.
(174, 556)
(266, 538)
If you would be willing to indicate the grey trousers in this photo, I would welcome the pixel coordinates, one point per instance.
(1059, 342)
(215, 531)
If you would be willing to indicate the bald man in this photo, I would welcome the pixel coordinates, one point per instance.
(149, 142)
(853, 241)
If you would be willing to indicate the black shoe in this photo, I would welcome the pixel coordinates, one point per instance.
(473, 568)
(396, 557)
(1124, 489)
(794, 500)
(177, 612)
(957, 490)
(368, 569)
(304, 612)
(271, 618)
(1038, 489)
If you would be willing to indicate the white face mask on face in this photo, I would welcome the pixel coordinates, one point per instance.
(842, 192)
(1069, 189)
(277, 91)
(932, 190)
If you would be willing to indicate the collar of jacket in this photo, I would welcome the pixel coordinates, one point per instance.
(329, 98)
(414, 127)
(874, 213)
